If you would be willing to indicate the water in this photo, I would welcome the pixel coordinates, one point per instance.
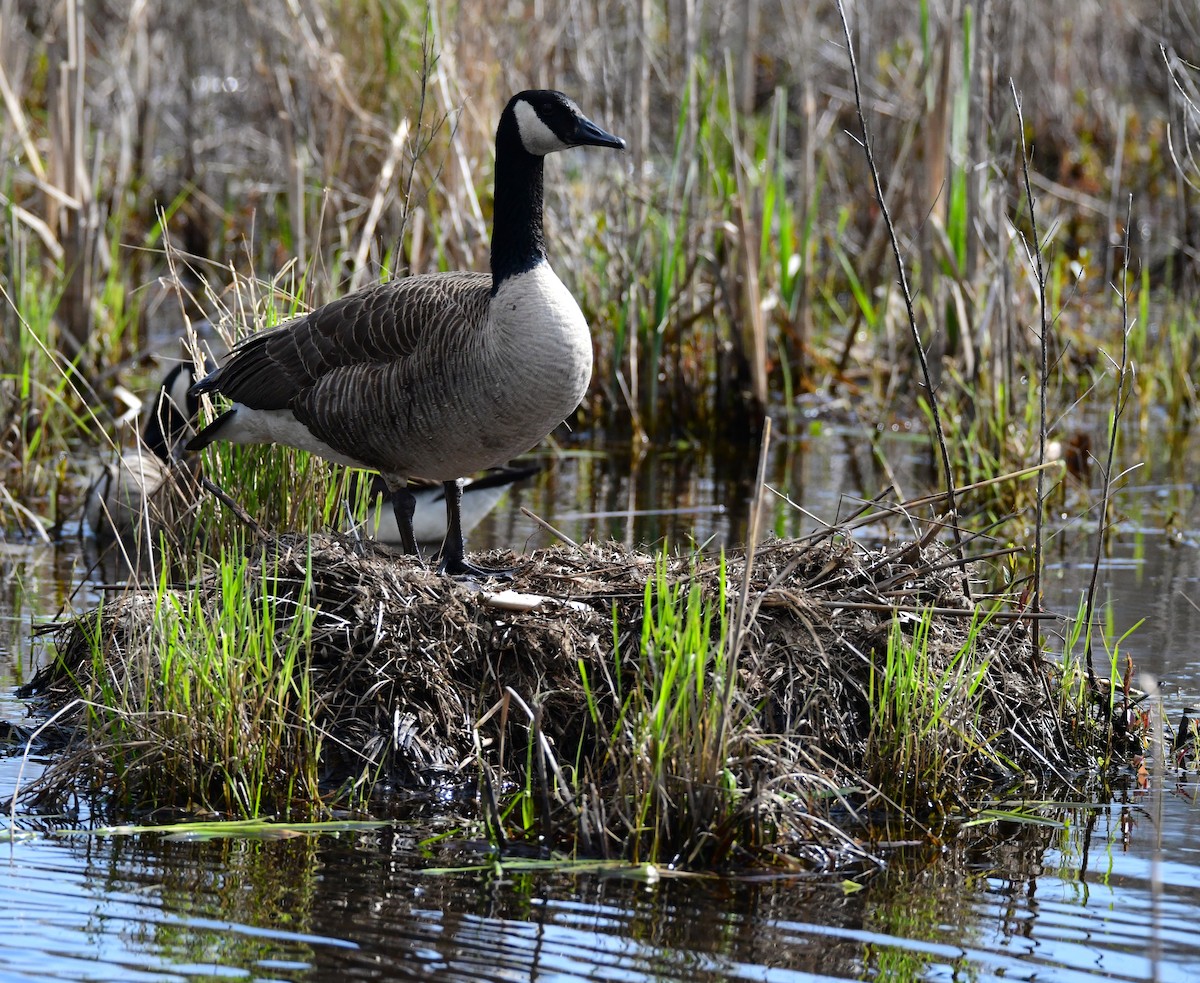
(1026, 904)
(1112, 892)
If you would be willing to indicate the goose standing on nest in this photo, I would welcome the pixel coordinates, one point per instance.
(434, 376)
(479, 496)
(121, 498)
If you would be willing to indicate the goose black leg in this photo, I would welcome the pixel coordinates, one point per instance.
(454, 549)
(404, 504)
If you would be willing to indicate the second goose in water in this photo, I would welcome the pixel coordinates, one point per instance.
(435, 376)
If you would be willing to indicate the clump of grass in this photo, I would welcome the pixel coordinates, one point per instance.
(672, 796)
(648, 780)
(673, 764)
(1108, 704)
(924, 714)
(214, 709)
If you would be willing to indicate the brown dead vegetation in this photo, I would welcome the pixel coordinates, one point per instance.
(406, 665)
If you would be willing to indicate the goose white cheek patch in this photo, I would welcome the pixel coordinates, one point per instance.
(177, 394)
(537, 137)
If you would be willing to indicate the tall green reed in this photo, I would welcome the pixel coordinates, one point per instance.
(211, 708)
(676, 725)
(923, 711)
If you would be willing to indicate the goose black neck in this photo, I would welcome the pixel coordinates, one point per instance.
(155, 437)
(168, 425)
(517, 241)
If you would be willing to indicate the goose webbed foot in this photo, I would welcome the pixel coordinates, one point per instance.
(461, 568)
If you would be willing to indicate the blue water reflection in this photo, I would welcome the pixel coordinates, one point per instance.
(356, 907)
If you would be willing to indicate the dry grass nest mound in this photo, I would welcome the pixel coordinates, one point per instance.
(419, 680)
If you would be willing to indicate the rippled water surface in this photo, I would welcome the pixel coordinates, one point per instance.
(1028, 906)
(1111, 892)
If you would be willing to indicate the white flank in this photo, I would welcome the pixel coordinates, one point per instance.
(250, 426)
(547, 352)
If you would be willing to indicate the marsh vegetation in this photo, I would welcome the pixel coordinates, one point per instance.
(164, 197)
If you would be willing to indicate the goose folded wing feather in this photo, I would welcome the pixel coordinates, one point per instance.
(394, 323)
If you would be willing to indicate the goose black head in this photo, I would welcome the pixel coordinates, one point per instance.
(547, 121)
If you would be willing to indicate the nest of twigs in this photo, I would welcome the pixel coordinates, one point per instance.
(423, 681)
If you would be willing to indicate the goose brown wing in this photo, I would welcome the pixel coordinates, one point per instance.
(371, 412)
(402, 324)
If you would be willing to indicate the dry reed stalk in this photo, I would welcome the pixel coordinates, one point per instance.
(13, 55)
(1034, 255)
(939, 435)
(979, 123)
(77, 220)
(935, 134)
(383, 191)
(740, 626)
(752, 332)
(1120, 399)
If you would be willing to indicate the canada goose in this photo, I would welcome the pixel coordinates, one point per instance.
(434, 376)
(119, 499)
(479, 496)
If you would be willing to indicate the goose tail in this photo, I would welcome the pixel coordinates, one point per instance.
(208, 384)
(212, 431)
